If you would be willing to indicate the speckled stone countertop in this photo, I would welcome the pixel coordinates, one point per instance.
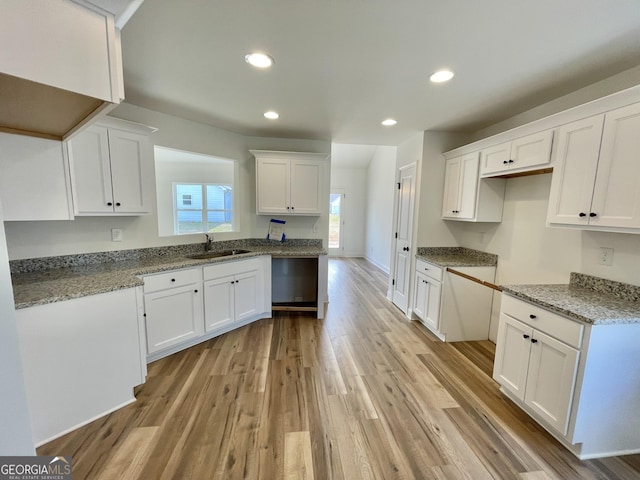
(39, 281)
(588, 299)
(456, 257)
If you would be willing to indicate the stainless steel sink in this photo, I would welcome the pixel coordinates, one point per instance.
(224, 253)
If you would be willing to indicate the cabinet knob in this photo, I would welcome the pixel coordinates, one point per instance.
(511, 161)
(292, 208)
(593, 214)
(505, 162)
(117, 204)
(525, 336)
(195, 291)
(288, 208)
(173, 279)
(532, 316)
(582, 214)
(109, 204)
(533, 340)
(406, 249)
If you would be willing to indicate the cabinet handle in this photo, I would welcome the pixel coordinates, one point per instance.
(511, 161)
(525, 336)
(582, 214)
(593, 214)
(533, 340)
(109, 204)
(406, 249)
(532, 316)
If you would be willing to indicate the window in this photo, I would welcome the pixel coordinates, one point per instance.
(195, 192)
(203, 208)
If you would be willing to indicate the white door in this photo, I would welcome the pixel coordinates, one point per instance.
(172, 317)
(511, 364)
(551, 379)
(404, 228)
(451, 187)
(432, 317)
(218, 303)
(336, 222)
(495, 159)
(468, 186)
(420, 296)
(574, 173)
(306, 187)
(129, 153)
(531, 150)
(616, 195)
(91, 171)
(246, 296)
(274, 178)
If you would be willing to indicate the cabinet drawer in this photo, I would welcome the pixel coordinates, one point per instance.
(232, 268)
(429, 269)
(557, 326)
(176, 278)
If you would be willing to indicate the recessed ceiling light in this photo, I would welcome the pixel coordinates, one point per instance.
(258, 60)
(271, 115)
(389, 122)
(441, 76)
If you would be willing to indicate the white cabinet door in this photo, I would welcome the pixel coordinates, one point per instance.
(511, 363)
(34, 179)
(451, 187)
(551, 379)
(574, 173)
(219, 303)
(616, 195)
(247, 298)
(273, 177)
(432, 316)
(91, 171)
(531, 151)
(129, 153)
(306, 187)
(172, 317)
(495, 159)
(421, 291)
(468, 186)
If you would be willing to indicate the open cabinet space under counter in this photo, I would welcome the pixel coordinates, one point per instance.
(299, 283)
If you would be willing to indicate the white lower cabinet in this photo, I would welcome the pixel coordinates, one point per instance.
(453, 308)
(180, 310)
(233, 293)
(579, 381)
(537, 369)
(173, 308)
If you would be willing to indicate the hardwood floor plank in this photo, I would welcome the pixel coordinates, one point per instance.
(298, 463)
(363, 394)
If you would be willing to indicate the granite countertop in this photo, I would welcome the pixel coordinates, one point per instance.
(588, 299)
(45, 280)
(456, 257)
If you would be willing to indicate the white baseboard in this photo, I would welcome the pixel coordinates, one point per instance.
(384, 268)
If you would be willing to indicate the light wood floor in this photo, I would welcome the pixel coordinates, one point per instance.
(361, 394)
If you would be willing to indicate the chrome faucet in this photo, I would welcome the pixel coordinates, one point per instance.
(208, 243)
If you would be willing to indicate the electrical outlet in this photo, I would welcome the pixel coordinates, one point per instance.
(116, 235)
(606, 256)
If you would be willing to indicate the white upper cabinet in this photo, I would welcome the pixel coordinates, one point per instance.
(34, 179)
(290, 183)
(596, 181)
(525, 154)
(110, 169)
(466, 196)
(63, 67)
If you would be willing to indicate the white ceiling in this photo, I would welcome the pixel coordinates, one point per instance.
(342, 66)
